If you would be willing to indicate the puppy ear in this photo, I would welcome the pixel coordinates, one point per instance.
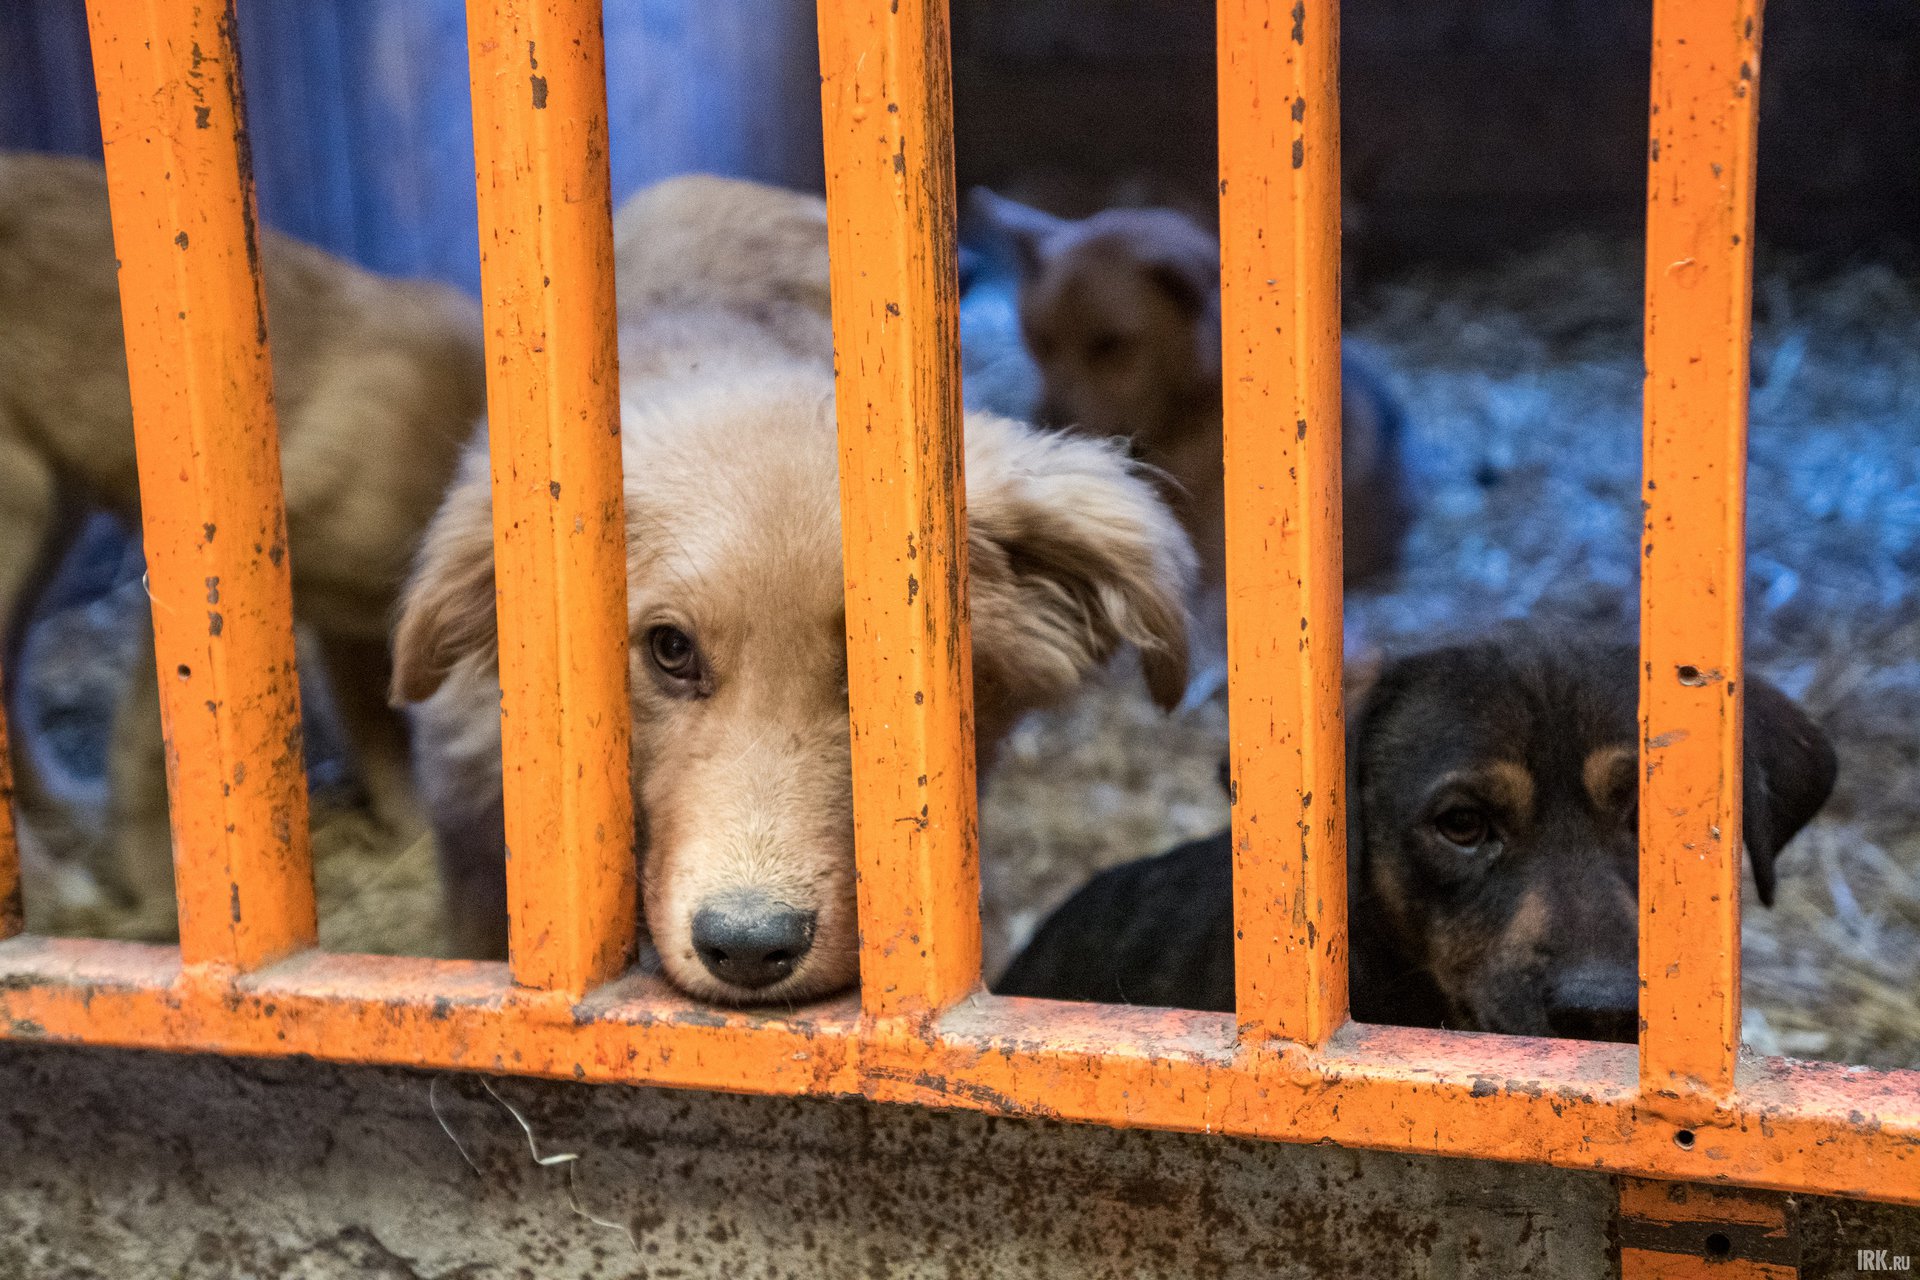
(1191, 284)
(447, 606)
(1789, 769)
(1072, 554)
(1187, 273)
(1022, 229)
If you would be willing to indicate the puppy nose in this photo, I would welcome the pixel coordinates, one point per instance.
(1595, 1002)
(751, 942)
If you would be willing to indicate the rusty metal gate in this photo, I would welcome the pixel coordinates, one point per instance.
(1685, 1105)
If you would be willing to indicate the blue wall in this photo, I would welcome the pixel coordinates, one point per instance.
(363, 141)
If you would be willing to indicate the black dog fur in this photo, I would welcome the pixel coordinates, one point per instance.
(1493, 861)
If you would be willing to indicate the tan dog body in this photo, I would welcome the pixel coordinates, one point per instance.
(738, 675)
(377, 384)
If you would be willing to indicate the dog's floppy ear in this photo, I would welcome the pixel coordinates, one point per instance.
(1788, 768)
(1072, 554)
(1022, 229)
(447, 606)
(1190, 282)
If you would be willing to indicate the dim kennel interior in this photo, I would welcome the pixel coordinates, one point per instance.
(246, 980)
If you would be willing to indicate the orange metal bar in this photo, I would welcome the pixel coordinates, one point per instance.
(887, 98)
(546, 267)
(211, 511)
(1678, 1231)
(1693, 550)
(1280, 311)
(1816, 1127)
(12, 910)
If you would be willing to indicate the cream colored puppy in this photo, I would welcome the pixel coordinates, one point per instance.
(378, 383)
(738, 659)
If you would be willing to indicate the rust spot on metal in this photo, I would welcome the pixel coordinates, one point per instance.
(539, 92)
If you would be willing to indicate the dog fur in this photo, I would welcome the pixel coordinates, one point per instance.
(1522, 749)
(378, 383)
(1121, 311)
(741, 757)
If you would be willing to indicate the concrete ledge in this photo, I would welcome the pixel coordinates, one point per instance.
(146, 1165)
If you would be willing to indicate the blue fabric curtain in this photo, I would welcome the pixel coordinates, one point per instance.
(363, 140)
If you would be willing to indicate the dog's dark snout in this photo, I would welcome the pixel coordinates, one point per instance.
(751, 942)
(1595, 1002)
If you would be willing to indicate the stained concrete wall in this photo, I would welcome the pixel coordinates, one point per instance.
(133, 1165)
(138, 1165)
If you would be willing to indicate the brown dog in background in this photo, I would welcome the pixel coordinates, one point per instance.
(738, 663)
(1492, 851)
(378, 383)
(1121, 311)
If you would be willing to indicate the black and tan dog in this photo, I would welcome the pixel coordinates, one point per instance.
(1493, 861)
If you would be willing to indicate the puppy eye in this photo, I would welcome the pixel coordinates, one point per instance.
(673, 651)
(1462, 825)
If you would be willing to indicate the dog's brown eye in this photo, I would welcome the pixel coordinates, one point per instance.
(673, 652)
(1462, 825)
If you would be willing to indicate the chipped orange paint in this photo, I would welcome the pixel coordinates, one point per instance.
(212, 516)
(887, 101)
(1699, 286)
(922, 1033)
(1679, 1231)
(11, 912)
(1280, 312)
(1822, 1128)
(559, 524)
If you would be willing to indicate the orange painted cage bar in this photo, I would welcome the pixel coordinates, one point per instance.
(1686, 1104)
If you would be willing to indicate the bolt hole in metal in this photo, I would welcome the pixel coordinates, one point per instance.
(1718, 1246)
(1690, 676)
(185, 671)
(1684, 1139)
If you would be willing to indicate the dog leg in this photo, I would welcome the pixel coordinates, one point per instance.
(38, 524)
(139, 853)
(474, 881)
(359, 672)
(34, 529)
